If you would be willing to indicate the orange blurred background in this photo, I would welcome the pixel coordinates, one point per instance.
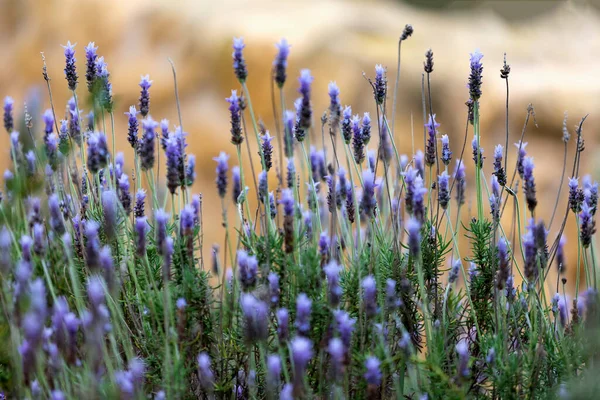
(552, 48)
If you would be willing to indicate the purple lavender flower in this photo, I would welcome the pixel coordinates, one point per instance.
(173, 155)
(145, 84)
(373, 373)
(446, 153)
(103, 76)
(347, 124)
(273, 372)
(161, 218)
(418, 200)
(576, 196)
(587, 225)
(39, 239)
(109, 208)
(301, 354)
(503, 264)
(97, 152)
(380, 88)
(498, 168)
(91, 71)
(391, 299)
(590, 193)
(560, 255)
(495, 207)
(419, 162)
(335, 108)
(475, 76)
(443, 192)
(282, 324)
(413, 227)
(267, 150)
(133, 126)
(205, 373)
(454, 271)
(410, 177)
(75, 126)
(92, 245)
(462, 350)
(368, 204)
(280, 63)
(8, 114)
(324, 245)
(303, 306)
(70, 70)
(288, 134)
(369, 295)
(5, 256)
(334, 290)
(236, 186)
(345, 327)
(239, 63)
(365, 129)
(124, 195)
(247, 269)
(146, 146)
(141, 231)
(477, 152)
(263, 185)
(460, 182)
(255, 314)
(140, 198)
(530, 268)
(186, 220)
(190, 170)
(430, 148)
(221, 171)
(521, 154)
(529, 183)
(371, 161)
(236, 118)
(305, 110)
(274, 290)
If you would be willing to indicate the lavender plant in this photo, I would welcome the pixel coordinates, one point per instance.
(357, 289)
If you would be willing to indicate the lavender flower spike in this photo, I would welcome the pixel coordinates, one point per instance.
(347, 124)
(205, 373)
(373, 373)
(380, 88)
(358, 144)
(459, 177)
(368, 204)
(70, 69)
(97, 152)
(173, 155)
(109, 207)
(365, 129)
(414, 236)
(303, 306)
(267, 149)
(236, 118)
(145, 84)
(146, 147)
(588, 225)
(301, 354)
(503, 264)
(521, 154)
(239, 63)
(236, 186)
(475, 76)
(443, 191)
(133, 126)
(222, 169)
(560, 255)
(90, 60)
(446, 153)
(305, 109)
(462, 349)
(576, 195)
(477, 152)
(369, 295)
(334, 290)
(8, 114)
(280, 63)
(430, 148)
(498, 168)
(335, 108)
(529, 183)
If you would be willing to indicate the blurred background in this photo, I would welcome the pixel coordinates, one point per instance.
(552, 47)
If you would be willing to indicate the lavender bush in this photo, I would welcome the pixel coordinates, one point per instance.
(348, 281)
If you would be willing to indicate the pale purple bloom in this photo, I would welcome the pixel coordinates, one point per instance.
(205, 373)
(446, 153)
(380, 88)
(335, 108)
(145, 84)
(247, 269)
(560, 255)
(301, 354)
(267, 150)
(70, 69)
(146, 148)
(430, 147)
(8, 114)
(280, 63)
(133, 126)
(499, 172)
(91, 71)
(462, 349)
(304, 112)
(255, 313)
(303, 309)
(140, 198)
(443, 190)
(274, 290)
(161, 218)
(587, 225)
(273, 372)
(521, 154)
(413, 227)
(365, 129)
(369, 295)
(460, 182)
(222, 169)
(368, 204)
(334, 290)
(141, 230)
(373, 373)
(475, 75)
(236, 184)
(97, 152)
(282, 324)
(239, 63)
(477, 151)
(236, 118)
(529, 183)
(109, 208)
